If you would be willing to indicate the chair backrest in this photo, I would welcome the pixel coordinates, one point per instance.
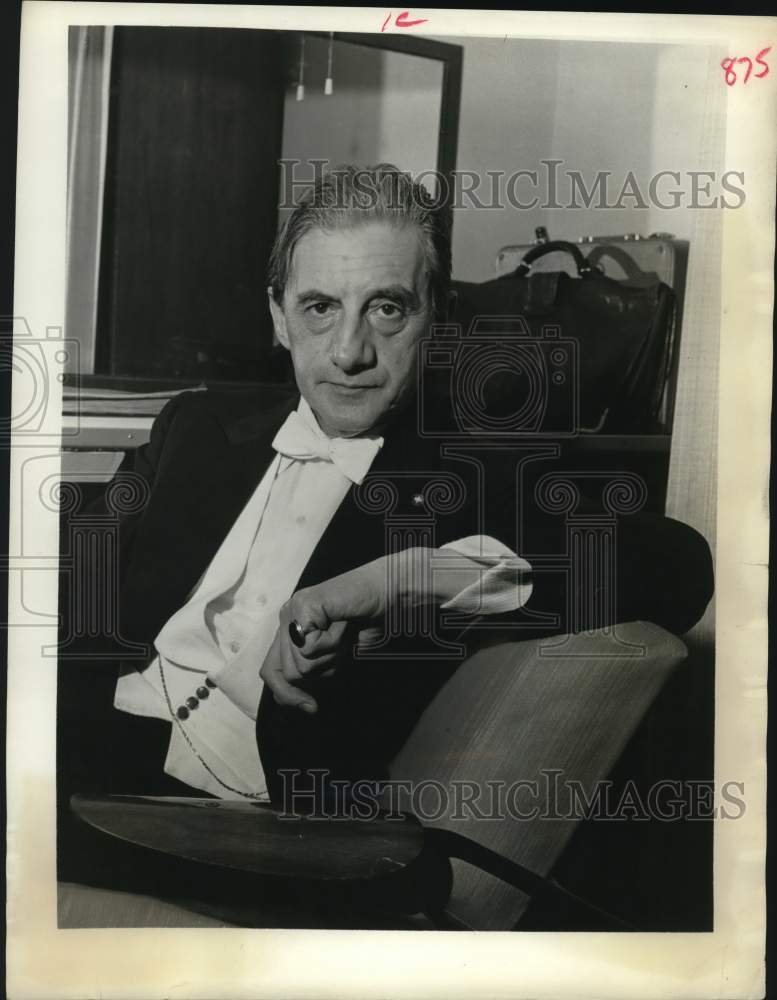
(505, 737)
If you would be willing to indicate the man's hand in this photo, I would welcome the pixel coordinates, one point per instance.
(335, 612)
(354, 604)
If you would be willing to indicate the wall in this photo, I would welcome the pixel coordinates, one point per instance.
(508, 101)
(385, 107)
(604, 114)
(596, 106)
(694, 138)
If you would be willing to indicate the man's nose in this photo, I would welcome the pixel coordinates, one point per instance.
(352, 349)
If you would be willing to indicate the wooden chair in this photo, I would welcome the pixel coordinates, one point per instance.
(516, 724)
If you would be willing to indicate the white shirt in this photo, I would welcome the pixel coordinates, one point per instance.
(229, 622)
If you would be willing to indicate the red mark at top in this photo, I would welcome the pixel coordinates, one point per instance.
(403, 20)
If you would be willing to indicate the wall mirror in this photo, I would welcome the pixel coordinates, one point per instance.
(175, 138)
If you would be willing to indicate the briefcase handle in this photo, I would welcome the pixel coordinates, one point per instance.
(582, 265)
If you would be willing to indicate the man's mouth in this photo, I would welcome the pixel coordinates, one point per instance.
(350, 387)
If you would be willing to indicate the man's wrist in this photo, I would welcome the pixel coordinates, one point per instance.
(412, 581)
(419, 582)
(422, 575)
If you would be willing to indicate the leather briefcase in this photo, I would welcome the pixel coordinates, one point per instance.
(605, 347)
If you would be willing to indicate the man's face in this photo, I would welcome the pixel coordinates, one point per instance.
(355, 306)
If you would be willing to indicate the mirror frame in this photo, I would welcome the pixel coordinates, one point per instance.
(452, 58)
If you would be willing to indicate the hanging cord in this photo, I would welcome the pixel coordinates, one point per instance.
(328, 81)
(301, 75)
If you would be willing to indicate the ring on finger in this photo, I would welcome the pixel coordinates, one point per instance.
(297, 632)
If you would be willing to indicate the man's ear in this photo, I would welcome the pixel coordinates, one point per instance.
(278, 319)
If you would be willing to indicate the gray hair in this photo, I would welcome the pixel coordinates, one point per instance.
(349, 195)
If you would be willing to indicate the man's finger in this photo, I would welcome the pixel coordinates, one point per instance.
(370, 637)
(273, 676)
(298, 663)
(316, 666)
(321, 643)
(287, 659)
(305, 610)
(288, 695)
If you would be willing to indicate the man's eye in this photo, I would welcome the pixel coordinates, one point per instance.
(320, 308)
(389, 311)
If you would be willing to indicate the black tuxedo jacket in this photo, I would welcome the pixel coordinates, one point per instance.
(207, 453)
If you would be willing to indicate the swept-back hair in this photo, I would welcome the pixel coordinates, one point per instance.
(348, 196)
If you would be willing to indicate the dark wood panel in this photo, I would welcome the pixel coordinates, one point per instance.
(190, 199)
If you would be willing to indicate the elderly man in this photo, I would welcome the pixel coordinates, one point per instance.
(288, 631)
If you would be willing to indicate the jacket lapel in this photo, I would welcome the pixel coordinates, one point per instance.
(199, 493)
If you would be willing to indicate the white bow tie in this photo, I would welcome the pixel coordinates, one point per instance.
(352, 456)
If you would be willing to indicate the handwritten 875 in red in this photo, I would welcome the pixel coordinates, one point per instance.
(728, 66)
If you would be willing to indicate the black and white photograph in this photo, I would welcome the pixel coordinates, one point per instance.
(389, 446)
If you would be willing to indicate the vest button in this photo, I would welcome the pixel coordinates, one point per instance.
(210, 683)
(202, 693)
(182, 712)
(192, 703)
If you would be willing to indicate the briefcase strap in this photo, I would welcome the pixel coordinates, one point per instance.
(553, 246)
